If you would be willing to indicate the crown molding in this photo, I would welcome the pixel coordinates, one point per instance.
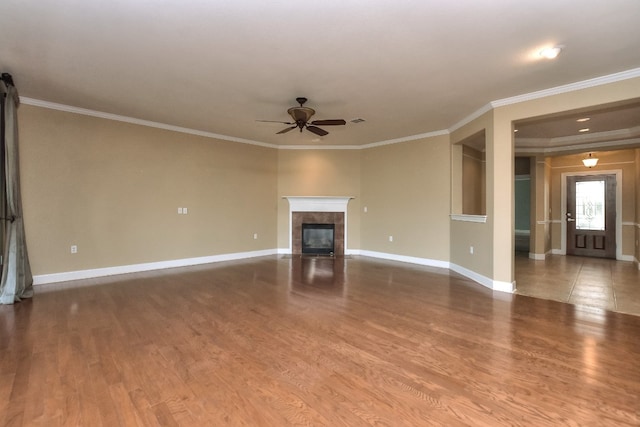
(584, 84)
(471, 117)
(135, 121)
(407, 138)
(592, 146)
(598, 81)
(571, 87)
(319, 147)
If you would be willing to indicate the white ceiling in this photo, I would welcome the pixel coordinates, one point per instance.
(407, 67)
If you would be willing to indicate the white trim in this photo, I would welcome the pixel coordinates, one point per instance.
(471, 117)
(618, 144)
(495, 285)
(571, 87)
(627, 258)
(558, 252)
(319, 147)
(407, 138)
(317, 204)
(404, 258)
(537, 257)
(468, 218)
(141, 122)
(137, 268)
(611, 78)
(563, 203)
(598, 81)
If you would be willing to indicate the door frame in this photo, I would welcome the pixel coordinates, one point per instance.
(563, 209)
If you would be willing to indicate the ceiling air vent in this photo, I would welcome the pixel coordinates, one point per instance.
(356, 120)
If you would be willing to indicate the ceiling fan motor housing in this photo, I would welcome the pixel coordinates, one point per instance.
(301, 114)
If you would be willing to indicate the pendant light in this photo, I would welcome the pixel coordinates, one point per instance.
(590, 161)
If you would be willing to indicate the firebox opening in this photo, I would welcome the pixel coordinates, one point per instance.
(317, 238)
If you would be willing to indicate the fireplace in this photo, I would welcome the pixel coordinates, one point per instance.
(335, 220)
(328, 210)
(318, 238)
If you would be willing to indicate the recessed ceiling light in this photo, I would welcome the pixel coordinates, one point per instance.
(550, 52)
(583, 130)
(584, 119)
(515, 130)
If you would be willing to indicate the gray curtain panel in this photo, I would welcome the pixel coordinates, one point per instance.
(17, 280)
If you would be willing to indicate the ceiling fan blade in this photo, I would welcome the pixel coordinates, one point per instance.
(275, 121)
(317, 130)
(333, 122)
(286, 130)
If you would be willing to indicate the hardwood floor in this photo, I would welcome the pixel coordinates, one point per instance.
(279, 341)
(597, 283)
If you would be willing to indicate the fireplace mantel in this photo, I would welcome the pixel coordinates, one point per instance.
(317, 204)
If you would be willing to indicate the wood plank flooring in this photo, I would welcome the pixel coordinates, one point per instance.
(278, 341)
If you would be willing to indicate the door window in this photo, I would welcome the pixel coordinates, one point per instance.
(590, 205)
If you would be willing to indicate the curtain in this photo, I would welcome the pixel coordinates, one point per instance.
(17, 280)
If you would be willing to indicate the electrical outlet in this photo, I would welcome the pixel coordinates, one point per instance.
(255, 236)
(74, 249)
(391, 238)
(179, 211)
(366, 209)
(185, 211)
(471, 250)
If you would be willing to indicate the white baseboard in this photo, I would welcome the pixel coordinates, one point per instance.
(558, 252)
(404, 258)
(537, 257)
(627, 258)
(43, 279)
(495, 285)
(136, 268)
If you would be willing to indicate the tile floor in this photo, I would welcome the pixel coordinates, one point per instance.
(601, 283)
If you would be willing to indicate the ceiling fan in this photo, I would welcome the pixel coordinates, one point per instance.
(301, 116)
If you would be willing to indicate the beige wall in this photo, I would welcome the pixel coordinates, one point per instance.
(473, 182)
(502, 128)
(463, 234)
(405, 188)
(540, 243)
(319, 173)
(623, 160)
(113, 189)
(637, 233)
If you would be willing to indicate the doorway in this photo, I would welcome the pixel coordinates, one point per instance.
(591, 216)
(591, 211)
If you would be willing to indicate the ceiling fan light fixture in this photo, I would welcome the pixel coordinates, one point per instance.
(302, 120)
(590, 161)
(301, 113)
(550, 52)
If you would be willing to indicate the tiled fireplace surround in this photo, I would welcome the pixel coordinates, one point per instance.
(318, 210)
(335, 218)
